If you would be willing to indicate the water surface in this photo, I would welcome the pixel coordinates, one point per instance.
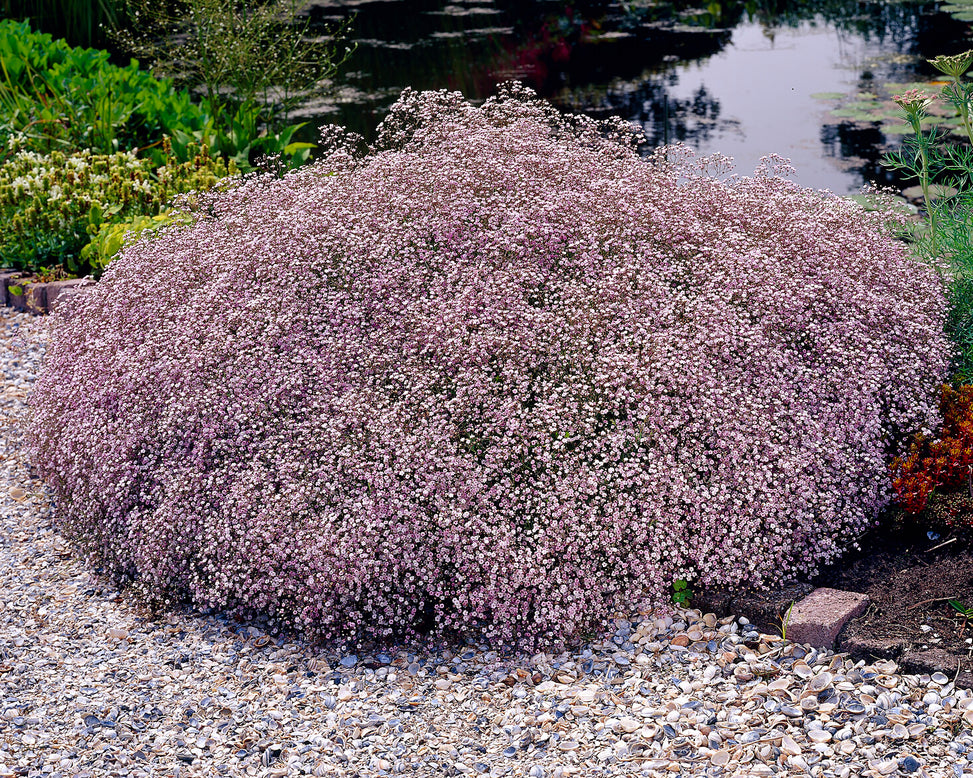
(744, 80)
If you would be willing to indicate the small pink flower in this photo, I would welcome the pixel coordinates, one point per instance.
(914, 100)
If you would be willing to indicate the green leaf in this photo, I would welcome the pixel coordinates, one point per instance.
(16, 290)
(292, 148)
(961, 609)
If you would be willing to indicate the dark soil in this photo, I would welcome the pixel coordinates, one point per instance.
(909, 578)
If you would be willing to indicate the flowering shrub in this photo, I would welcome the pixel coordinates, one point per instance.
(935, 475)
(498, 373)
(52, 204)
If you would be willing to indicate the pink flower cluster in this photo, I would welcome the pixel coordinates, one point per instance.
(499, 373)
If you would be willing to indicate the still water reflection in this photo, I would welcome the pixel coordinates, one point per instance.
(735, 78)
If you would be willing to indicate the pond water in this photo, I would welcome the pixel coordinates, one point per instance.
(742, 79)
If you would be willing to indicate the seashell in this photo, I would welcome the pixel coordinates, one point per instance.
(819, 736)
(809, 703)
(888, 681)
(789, 746)
(820, 682)
(742, 673)
(802, 670)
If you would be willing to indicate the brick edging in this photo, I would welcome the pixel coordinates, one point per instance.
(36, 297)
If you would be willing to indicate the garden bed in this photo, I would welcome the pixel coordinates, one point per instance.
(909, 579)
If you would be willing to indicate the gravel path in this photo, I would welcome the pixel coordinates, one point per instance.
(90, 686)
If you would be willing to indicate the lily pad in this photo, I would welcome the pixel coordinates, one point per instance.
(936, 191)
(856, 115)
(896, 129)
(828, 95)
(872, 202)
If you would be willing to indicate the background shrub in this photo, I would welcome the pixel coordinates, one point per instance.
(51, 205)
(57, 97)
(54, 97)
(499, 373)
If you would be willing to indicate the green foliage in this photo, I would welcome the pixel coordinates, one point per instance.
(963, 610)
(253, 60)
(55, 97)
(785, 620)
(681, 593)
(51, 205)
(113, 236)
(944, 169)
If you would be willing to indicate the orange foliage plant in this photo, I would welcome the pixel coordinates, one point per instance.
(936, 474)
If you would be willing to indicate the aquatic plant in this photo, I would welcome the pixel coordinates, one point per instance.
(256, 58)
(499, 374)
(57, 98)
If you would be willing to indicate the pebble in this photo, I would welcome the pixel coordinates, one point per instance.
(91, 686)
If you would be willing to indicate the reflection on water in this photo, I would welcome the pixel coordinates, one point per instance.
(729, 77)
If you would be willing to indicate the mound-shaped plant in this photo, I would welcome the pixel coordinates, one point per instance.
(500, 372)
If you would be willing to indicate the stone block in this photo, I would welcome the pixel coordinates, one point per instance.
(5, 276)
(765, 609)
(818, 618)
(17, 301)
(59, 291)
(35, 297)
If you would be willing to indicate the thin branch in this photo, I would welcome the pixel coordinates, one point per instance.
(944, 543)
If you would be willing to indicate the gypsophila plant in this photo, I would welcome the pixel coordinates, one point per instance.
(498, 374)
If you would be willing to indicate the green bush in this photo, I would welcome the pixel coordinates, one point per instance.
(112, 236)
(57, 97)
(944, 169)
(52, 204)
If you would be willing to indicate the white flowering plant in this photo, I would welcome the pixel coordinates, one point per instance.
(499, 375)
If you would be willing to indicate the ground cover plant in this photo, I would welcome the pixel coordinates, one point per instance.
(499, 373)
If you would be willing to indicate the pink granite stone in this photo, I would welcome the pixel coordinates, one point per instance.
(819, 617)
